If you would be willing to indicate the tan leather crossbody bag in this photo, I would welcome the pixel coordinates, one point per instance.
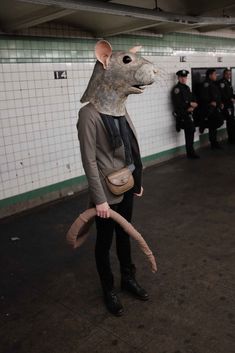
(120, 181)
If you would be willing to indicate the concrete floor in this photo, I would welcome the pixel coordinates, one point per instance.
(50, 298)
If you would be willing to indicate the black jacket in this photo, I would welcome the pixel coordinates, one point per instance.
(226, 91)
(210, 92)
(181, 96)
(210, 116)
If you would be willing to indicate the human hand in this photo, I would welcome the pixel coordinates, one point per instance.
(190, 109)
(103, 210)
(141, 192)
(213, 104)
(193, 104)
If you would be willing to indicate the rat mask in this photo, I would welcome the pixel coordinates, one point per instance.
(115, 76)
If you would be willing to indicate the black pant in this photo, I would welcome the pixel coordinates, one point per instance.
(230, 123)
(189, 139)
(213, 135)
(189, 130)
(105, 229)
(214, 122)
(211, 118)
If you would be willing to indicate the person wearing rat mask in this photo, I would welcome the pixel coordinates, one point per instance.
(108, 143)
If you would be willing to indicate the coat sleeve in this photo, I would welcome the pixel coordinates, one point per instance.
(87, 137)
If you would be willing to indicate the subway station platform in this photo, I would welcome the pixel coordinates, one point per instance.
(50, 297)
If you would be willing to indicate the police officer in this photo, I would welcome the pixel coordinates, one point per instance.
(184, 105)
(228, 99)
(210, 107)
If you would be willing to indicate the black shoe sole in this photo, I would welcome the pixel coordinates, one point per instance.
(192, 157)
(144, 299)
(118, 314)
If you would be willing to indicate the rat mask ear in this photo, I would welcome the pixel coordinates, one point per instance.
(135, 49)
(103, 51)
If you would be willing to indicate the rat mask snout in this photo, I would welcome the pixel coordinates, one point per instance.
(144, 76)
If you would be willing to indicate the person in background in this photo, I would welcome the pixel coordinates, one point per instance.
(211, 107)
(184, 104)
(228, 100)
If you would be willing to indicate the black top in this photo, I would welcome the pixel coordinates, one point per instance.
(181, 96)
(226, 91)
(209, 92)
(124, 135)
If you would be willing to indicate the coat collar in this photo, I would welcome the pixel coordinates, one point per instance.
(126, 115)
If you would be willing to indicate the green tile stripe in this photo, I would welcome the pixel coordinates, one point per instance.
(41, 191)
(163, 154)
(75, 181)
(82, 179)
(25, 49)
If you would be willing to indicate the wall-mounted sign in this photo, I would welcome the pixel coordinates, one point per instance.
(60, 75)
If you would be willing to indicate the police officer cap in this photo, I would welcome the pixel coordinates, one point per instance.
(210, 71)
(182, 73)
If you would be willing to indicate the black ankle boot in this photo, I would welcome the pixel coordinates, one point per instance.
(193, 155)
(129, 283)
(113, 303)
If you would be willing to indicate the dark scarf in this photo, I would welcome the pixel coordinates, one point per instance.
(116, 137)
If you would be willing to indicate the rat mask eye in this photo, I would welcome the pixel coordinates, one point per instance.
(126, 59)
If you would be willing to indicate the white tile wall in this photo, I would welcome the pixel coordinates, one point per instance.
(38, 126)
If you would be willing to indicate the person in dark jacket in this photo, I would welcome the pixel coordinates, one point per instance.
(184, 104)
(228, 99)
(211, 107)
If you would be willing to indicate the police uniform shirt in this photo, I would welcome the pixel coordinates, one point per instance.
(181, 98)
(210, 93)
(226, 90)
